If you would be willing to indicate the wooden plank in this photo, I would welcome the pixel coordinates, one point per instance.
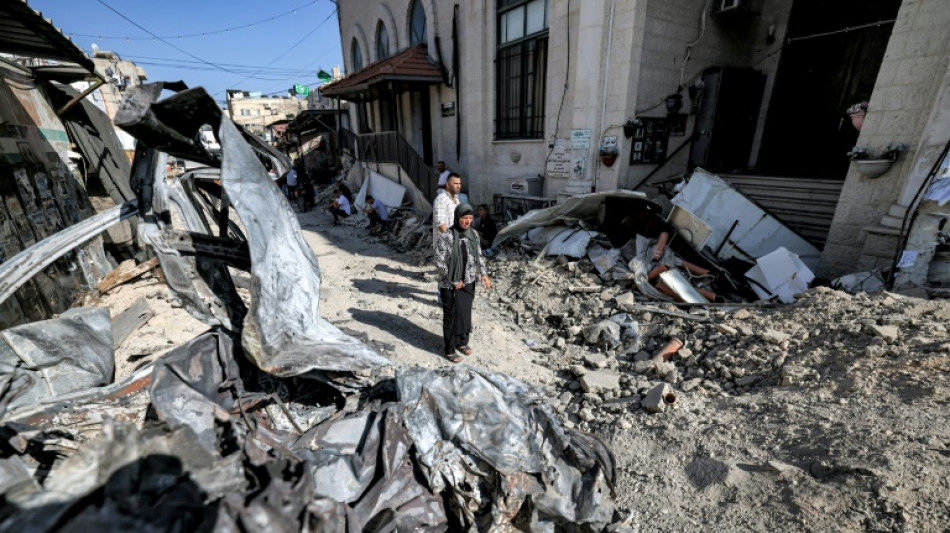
(130, 320)
(123, 273)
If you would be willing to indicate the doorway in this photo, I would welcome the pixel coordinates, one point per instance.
(822, 72)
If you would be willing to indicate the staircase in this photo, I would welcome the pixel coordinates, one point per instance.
(391, 147)
(882, 239)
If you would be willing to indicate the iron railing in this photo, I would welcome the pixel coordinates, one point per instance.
(391, 147)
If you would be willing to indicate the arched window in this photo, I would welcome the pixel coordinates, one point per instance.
(382, 41)
(356, 55)
(417, 24)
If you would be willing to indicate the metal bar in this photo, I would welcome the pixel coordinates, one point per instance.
(23, 266)
(99, 83)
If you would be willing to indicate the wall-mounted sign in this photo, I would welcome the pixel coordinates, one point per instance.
(580, 139)
(649, 140)
(559, 162)
(610, 141)
(448, 109)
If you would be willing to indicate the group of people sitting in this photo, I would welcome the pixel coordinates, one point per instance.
(341, 206)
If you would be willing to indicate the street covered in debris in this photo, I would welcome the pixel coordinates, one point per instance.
(191, 340)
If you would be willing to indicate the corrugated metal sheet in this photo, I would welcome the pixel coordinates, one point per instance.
(807, 205)
(25, 32)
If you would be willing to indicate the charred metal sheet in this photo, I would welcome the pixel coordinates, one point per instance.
(70, 353)
(461, 415)
(203, 284)
(283, 332)
(24, 265)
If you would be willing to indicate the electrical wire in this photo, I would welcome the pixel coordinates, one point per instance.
(200, 34)
(292, 47)
(187, 53)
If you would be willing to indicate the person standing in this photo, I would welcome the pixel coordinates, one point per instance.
(291, 183)
(443, 208)
(461, 266)
(443, 173)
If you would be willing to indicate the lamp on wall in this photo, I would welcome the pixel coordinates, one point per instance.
(674, 103)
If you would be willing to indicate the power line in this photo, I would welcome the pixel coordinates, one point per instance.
(201, 34)
(276, 59)
(137, 59)
(187, 53)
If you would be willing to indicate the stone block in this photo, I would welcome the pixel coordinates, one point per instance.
(888, 333)
(600, 381)
(657, 399)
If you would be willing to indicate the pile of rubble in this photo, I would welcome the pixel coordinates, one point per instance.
(275, 419)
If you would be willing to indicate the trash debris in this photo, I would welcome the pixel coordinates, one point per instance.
(125, 272)
(859, 281)
(779, 274)
(57, 356)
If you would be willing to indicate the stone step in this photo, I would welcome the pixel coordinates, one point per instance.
(897, 210)
(890, 221)
(880, 242)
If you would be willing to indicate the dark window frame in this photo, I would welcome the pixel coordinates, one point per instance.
(356, 55)
(414, 36)
(382, 41)
(520, 79)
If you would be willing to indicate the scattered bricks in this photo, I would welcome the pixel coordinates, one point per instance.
(745, 381)
(746, 331)
(773, 337)
(742, 314)
(658, 399)
(600, 381)
(728, 330)
(875, 351)
(662, 368)
(559, 342)
(595, 360)
(578, 370)
(797, 375)
(888, 333)
(626, 300)
(691, 384)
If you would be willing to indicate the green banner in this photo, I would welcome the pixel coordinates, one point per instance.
(300, 88)
(323, 76)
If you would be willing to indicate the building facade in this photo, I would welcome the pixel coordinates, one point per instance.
(590, 96)
(255, 112)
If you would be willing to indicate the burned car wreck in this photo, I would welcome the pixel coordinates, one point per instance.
(275, 419)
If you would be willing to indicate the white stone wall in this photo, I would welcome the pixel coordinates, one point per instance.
(905, 107)
(647, 47)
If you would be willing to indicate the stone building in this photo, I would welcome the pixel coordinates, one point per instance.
(255, 112)
(576, 96)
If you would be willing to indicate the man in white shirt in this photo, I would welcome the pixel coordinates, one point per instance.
(376, 211)
(443, 173)
(443, 208)
(339, 208)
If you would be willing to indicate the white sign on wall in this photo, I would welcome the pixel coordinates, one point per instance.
(580, 139)
(559, 162)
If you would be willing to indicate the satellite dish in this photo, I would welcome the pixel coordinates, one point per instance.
(95, 48)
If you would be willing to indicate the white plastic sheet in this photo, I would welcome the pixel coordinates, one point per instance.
(756, 233)
(780, 273)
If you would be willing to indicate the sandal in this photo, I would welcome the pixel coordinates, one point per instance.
(464, 349)
(453, 357)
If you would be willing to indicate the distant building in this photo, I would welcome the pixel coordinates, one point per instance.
(256, 112)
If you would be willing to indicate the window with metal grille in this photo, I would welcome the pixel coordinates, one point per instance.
(520, 68)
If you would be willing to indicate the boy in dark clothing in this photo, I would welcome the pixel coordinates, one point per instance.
(486, 227)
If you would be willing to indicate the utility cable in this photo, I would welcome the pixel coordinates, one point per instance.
(187, 53)
(201, 34)
(292, 47)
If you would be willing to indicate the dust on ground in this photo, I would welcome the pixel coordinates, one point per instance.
(830, 414)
